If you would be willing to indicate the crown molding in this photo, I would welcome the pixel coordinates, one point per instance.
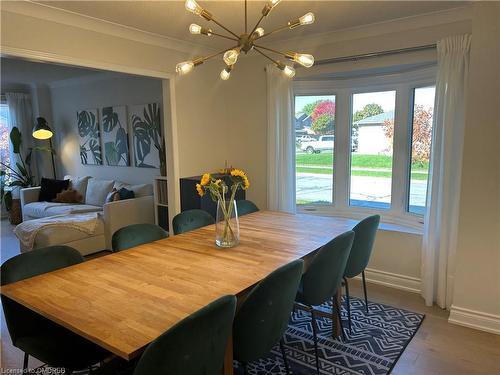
(69, 18)
(459, 14)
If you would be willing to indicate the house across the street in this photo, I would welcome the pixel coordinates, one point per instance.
(371, 136)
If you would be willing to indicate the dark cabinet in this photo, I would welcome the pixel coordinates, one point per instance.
(191, 200)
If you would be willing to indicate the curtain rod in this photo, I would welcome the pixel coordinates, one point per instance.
(375, 54)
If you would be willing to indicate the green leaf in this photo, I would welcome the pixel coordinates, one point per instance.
(109, 119)
(16, 139)
(7, 199)
(83, 155)
(95, 149)
(112, 157)
(22, 170)
(121, 142)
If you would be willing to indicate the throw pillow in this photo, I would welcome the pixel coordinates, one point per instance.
(50, 187)
(141, 190)
(69, 196)
(113, 196)
(126, 194)
(78, 183)
(97, 190)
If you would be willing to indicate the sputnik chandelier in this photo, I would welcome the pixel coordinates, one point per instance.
(246, 42)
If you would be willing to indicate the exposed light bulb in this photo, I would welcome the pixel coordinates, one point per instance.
(304, 59)
(184, 67)
(273, 3)
(225, 74)
(193, 7)
(259, 31)
(307, 19)
(195, 29)
(231, 56)
(289, 71)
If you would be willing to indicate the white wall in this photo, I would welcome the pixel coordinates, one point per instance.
(88, 93)
(476, 300)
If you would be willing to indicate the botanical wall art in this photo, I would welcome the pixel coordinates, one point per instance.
(90, 143)
(114, 136)
(147, 137)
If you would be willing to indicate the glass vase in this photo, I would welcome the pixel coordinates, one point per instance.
(227, 226)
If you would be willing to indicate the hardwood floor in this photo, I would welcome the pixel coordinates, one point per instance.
(439, 348)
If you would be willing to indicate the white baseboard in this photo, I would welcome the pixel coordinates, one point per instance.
(392, 280)
(475, 319)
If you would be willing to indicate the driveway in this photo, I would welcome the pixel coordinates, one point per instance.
(318, 187)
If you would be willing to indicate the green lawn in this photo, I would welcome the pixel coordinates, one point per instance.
(358, 161)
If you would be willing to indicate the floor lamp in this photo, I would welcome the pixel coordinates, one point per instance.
(42, 130)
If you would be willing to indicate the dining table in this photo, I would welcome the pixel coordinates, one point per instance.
(125, 300)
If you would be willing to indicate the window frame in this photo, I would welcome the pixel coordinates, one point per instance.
(404, 84)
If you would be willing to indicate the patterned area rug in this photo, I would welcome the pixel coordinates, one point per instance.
(377, 341)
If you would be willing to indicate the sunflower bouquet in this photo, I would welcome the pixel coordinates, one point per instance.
(227, 228)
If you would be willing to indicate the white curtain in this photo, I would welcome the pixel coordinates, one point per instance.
(441, 221)
(21, 115)
(280, 142)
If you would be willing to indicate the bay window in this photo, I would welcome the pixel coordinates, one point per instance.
(363, 145)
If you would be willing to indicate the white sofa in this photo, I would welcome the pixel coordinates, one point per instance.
(112, 216)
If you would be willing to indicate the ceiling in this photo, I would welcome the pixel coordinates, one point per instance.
(14, 71)
(169, 18)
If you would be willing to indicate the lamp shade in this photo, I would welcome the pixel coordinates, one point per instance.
(42, 130)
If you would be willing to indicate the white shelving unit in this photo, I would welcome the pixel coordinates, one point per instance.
(160, 190)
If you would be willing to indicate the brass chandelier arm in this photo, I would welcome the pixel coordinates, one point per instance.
(224, 36)
(224, 27)
(285, 54)
(257, 24)
(274, 31)
(266, 56)
(216, 54)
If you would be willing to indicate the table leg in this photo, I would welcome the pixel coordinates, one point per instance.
(228, 358)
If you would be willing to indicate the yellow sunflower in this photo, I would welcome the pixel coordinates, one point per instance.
(205, 179)
(200, 189)
(246, 183)
(238, 173)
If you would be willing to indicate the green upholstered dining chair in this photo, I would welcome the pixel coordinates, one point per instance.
(135, 235)
(246, 207)
(35, 335)
(191, 219)
(263, 317)
(194, 346)
(364, 238)
(323, 278)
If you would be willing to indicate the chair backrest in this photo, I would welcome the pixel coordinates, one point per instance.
(194, 346)
(364, 238)
(135, 235)
(21, 321)
(324, 274)
(246, 207)
(263, 316)
(191, 219)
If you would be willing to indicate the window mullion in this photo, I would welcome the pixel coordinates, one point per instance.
(342, 150)
(400, 159)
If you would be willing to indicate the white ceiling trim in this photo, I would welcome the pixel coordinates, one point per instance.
(385, 27)
(69, 18)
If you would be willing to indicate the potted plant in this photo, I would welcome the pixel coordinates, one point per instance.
(15, 176)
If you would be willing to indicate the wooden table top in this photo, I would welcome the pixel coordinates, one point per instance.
(125, 300)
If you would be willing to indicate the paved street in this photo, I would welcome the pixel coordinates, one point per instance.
(318, 187)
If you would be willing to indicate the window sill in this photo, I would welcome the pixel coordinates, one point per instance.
(388, 223)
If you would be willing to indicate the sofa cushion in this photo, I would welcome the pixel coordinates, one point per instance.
(35, 210)
(78, 183)
(49, 188)
(141, 190)
(97, 190)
